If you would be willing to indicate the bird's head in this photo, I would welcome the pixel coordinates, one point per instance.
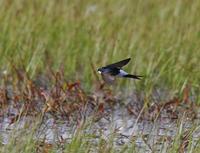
(101, 70)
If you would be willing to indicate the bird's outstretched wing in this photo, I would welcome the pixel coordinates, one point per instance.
(119, 64)
(109, 79)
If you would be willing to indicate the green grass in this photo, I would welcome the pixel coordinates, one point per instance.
(161, 37)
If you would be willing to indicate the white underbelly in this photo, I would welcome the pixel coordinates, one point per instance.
(122, 73)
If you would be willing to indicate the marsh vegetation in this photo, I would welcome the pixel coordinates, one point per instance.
(53, 100)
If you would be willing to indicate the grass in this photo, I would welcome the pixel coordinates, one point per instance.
(161, 37)
(22, 140)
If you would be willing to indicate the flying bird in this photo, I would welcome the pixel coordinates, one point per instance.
(111, 71)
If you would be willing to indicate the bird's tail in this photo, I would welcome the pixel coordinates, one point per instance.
(133, 76)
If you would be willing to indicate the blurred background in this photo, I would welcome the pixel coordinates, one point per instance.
(161, 37)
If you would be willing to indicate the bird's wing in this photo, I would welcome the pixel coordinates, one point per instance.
(109, 79)
(119, 64)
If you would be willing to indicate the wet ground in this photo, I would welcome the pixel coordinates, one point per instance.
(64, 108)
(151, 128)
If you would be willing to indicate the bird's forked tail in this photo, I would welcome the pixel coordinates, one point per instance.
(133, 76)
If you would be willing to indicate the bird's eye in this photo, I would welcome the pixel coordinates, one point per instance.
(99, 70)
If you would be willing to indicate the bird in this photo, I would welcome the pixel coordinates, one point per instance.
(111, 71)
